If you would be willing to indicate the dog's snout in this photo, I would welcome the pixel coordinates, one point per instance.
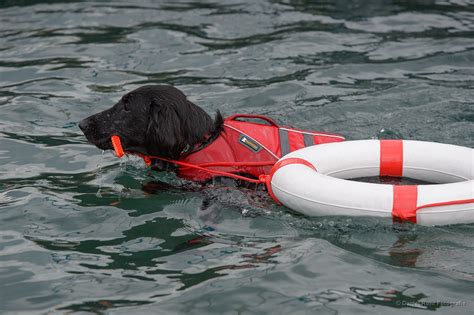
(83, 124)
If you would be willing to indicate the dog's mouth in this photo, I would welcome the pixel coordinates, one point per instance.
(120, 152)
(114, 143)
(103, 144)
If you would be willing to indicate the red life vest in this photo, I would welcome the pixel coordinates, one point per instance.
(250, 148)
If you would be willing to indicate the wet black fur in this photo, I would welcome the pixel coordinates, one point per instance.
(153, 120)
(160, 120)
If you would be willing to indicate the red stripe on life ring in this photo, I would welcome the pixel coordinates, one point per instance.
(391, 158)
(277, 166)
(404, 202)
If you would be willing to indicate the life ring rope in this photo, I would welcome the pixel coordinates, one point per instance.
(332, 173)
(404, 197)
(447, 203)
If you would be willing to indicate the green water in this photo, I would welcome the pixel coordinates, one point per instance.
(79, 234)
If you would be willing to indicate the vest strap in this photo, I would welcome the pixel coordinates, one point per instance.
(308, 140)
(284, 142)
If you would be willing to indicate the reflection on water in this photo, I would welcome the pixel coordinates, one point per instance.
(82, 233)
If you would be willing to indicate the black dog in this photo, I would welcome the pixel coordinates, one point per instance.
(160, 121)
(153, 120)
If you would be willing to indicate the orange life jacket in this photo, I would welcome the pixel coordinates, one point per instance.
(247, 147)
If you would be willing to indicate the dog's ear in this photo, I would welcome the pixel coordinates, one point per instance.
(164, 135)
(176, 125)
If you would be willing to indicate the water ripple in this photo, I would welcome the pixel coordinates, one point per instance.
(82, 232)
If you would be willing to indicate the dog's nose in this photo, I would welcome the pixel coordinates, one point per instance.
(83, 124)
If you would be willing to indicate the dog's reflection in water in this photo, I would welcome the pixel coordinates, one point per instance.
(218, 194)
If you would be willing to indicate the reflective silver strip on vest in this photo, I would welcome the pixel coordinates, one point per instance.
(308, 140)
(284, 143)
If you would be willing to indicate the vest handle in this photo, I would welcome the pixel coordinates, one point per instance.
(268, 120)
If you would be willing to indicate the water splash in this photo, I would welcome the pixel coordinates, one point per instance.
(99, 174)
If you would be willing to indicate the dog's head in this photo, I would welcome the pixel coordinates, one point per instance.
(153, 120)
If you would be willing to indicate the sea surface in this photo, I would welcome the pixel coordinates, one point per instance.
(80, 234)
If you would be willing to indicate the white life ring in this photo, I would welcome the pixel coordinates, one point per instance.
(313, 181)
